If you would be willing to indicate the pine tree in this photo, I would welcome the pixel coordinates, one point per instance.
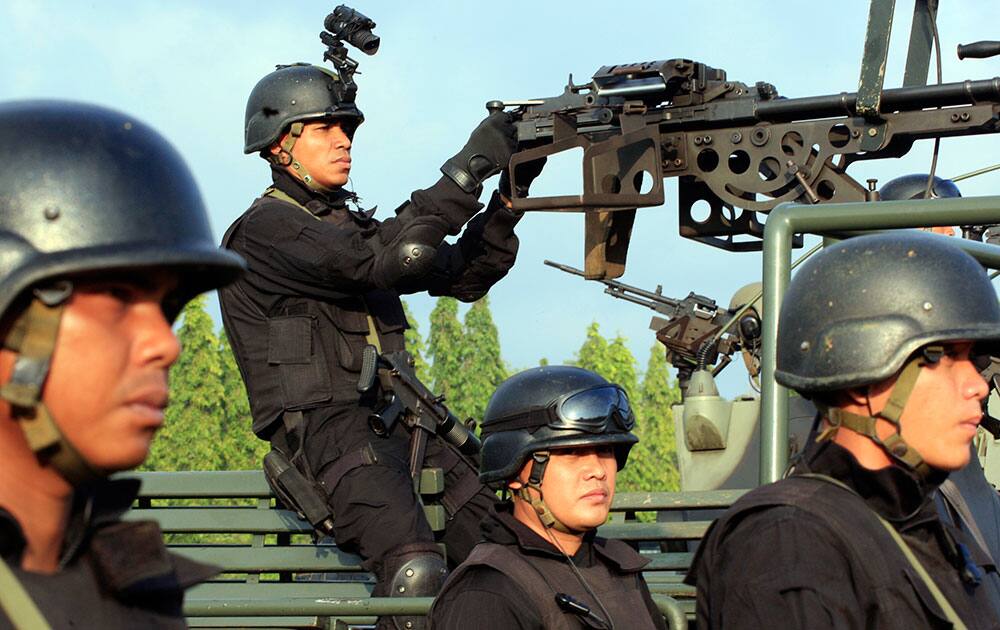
(241, 449)
(193, 420)
(593, 354)
(653, 462)
(621, 365)
(444, 349)
(415, 346)
(482, 366)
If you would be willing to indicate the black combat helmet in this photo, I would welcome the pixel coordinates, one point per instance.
(857, 310)
(871, 307)
(295, 93)
(85, 190)
(552, 407)
(915, 186)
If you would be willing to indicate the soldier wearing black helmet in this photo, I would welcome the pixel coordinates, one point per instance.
(966, 499)
(554, 437)
(880, 332)
(324, 281)
(104, 238)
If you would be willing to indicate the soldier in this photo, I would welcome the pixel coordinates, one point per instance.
(879, 332)
(966, 499)
(324, 281)
(554, 437)
(104, 238)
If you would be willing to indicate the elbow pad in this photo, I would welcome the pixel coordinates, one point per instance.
(410, 254)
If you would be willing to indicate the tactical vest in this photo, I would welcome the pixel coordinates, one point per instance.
(541, 578)
(307, 353)
(890, 588)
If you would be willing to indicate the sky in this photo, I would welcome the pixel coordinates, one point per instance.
(187, 66)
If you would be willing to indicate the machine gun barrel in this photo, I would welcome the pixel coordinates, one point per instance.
(650, 299)
(896, 99)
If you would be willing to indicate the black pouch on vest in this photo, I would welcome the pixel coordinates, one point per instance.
(292, 346)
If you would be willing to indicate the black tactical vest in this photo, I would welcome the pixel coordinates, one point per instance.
(541, 578)
(886, 586)
(304, 351)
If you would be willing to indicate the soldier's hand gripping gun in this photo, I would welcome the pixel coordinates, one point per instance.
(406, 399)
(696, 331)
(732, 146)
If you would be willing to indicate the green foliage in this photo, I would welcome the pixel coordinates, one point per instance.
(415, 346)
(444, 349)
(197, 397)
(207, 424)
(482, 366)
(241, 449)
(653, 462)
(592, 355)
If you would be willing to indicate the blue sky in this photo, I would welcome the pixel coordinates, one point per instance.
(187, 66)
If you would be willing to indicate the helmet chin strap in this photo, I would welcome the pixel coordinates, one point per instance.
(894, 445)
(33, 338)
(539, 460)
(287, 144)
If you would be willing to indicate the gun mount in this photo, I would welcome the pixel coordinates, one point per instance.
(736, 149)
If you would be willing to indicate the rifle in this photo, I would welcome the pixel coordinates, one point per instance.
(405, 398)
(738, 149)
(696, 332)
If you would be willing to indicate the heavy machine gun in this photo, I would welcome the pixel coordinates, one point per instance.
(738, 150)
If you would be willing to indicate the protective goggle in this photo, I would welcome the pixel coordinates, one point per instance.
(596, 410)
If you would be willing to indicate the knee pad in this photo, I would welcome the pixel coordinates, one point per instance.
(416, 570)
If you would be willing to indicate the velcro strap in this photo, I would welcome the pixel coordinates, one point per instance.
(893, 409)
(36, 335)
(865, 425)
(288, 143)
(330, 477)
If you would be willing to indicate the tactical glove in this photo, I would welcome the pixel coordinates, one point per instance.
(526, 173)
(488, 150)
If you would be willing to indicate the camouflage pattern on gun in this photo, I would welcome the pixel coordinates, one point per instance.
(733, 146)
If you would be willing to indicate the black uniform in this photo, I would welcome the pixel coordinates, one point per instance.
(511, 580)
(112, 574)
(299, 319)
(804, 553)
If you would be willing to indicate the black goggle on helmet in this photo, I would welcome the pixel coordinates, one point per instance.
(553, 407)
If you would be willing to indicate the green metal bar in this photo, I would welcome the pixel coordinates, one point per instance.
(789, 219)
(671, 610)
(918, 56)
(875, 55)
(308, 606)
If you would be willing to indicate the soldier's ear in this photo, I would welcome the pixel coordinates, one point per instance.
(515, 484)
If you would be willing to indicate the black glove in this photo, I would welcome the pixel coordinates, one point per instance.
(488, 150)
(526, 173)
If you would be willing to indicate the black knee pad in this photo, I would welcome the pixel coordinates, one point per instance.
(413, 570)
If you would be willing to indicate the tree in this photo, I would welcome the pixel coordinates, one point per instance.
(444, 348)
(653, 461)
(241, 449)
(415, 346)
(193, 419)
(592, 355)
(482, 366)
